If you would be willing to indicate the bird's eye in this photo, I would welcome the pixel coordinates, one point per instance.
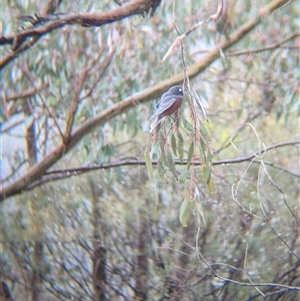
(180, 90)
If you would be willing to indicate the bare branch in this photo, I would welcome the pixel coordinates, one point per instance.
(267, 48)
(32, 79)
(45, 24)
(63, 173)
(25, 93)
(179, 39)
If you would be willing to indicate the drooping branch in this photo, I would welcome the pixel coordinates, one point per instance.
(45, 24)
(41, 167)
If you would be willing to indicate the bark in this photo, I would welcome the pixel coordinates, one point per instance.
(30, 136)
(45, 23)
(99, 254)
(141, 292)
(36, 279)
(5, 293)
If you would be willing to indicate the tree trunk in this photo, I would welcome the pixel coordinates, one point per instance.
(141, 292)
(99, 254)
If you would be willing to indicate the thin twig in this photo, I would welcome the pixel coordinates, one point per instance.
(179, 39)
(267, 48)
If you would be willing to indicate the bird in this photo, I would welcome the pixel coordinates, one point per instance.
(169, 103)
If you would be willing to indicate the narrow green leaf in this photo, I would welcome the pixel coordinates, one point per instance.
(180, 137)
(210, 186)
(162, 147)
(203, 129)
(119, 177)
(187, 125)
(183, 212)
(170, 162)
(173, 144)
(148, 163)
(206, 173)
(209, 156)
(164, 162)
(200, 211)
(161, 170)
(180, 146)
(109, 150)
(190, 153)
(183, 175)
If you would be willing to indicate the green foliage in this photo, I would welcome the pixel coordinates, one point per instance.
(183, 215)
(243, 214)
(148, 162)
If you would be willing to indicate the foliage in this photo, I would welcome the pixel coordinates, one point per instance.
(102, 212)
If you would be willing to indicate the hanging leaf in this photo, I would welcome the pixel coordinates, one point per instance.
(206, 173)
(148, 162)
(180, 137)
(161, 170)
(190, 153)
(183, 215)
(187, 125)
(173, 144)
(170, 162)
(203, 129)
(180, 146)
(199, 104)
(183, 175)
(119, 176)
(199, 209)
(162, 147)
(164, 162)
(210, 186)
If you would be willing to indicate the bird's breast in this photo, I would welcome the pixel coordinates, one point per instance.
(174, 107)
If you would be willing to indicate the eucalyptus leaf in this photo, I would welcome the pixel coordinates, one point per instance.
(183, 175)
(187, 125)
(148, 163)
(173, 144)
(199, 209)
(190, 153)
(183, 215)
(180, 146)
(180, 137)
(161, 170)
(170, 161)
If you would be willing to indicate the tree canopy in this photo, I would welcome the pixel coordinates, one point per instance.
(94, 206)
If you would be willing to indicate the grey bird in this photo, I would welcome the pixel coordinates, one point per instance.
(169, 103)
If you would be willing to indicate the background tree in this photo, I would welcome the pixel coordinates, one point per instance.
(83, 217)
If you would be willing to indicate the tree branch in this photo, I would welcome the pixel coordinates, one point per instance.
(47, 23)
(267, 48)
(63, 173)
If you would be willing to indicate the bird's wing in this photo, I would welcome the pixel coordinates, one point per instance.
(164, 104)
(162, 97)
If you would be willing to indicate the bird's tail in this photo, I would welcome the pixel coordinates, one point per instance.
(156, 124)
